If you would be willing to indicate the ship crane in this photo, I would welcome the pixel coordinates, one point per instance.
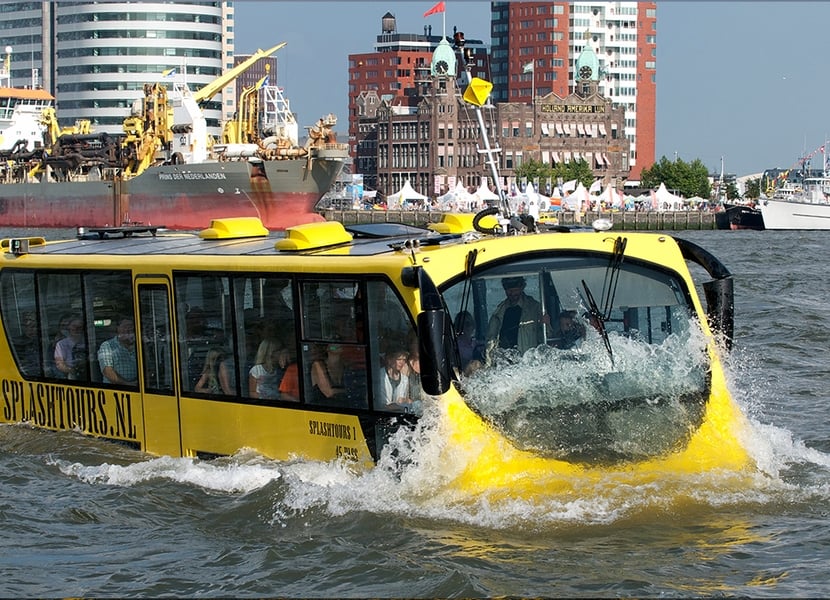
(171, 128)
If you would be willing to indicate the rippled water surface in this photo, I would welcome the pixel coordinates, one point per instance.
(87, 518)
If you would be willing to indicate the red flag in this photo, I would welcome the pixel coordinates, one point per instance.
(438, 8)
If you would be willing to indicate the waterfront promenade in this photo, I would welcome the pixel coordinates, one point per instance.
(622, 221)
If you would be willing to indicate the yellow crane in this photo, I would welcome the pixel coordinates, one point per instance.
(210, 90)
(149, 135)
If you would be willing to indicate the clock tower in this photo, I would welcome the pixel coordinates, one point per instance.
(586, 71)
(444, 61)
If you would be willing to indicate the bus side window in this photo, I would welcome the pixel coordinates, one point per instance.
(155, 338)
(64, 322)
(267, 326)
(395, 378)
(108, 295)
(19, 310)
(333, 343)
(203, 315)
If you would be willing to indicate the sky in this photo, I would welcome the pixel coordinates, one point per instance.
(743, 82)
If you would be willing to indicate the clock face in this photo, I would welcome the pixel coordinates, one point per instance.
(585, 72)
(441, 67)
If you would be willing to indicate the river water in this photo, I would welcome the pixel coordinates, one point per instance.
(82, 517)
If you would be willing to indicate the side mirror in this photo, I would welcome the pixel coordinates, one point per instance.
(433, 332)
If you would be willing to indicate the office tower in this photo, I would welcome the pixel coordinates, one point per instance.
(96, 57)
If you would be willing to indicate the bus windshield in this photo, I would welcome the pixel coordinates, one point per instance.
(573, 358)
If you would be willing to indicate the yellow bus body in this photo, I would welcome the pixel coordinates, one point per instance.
(169, 418)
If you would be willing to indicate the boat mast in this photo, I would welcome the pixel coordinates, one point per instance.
(507, 220)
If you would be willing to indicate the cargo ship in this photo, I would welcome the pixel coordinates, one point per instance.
(165, 169)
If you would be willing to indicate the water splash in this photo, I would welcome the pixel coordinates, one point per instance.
(415, 474)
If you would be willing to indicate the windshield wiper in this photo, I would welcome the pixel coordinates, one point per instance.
(597, 320)
(609, 290)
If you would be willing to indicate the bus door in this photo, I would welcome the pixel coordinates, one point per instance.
(156, 367)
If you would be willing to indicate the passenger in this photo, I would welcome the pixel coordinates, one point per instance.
(26, 346)
(227, 376)
(210, 381)
(571, 330)
(416, 393)
(469, 348)
(327, 372)
(265, 376)
(197, 344)
(395, 381)
(70, 353)
(62, 333)
(116, 356)
(290, 384)
(517, 321)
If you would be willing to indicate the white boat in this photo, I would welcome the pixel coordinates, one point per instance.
(805, 205)
(21, 128)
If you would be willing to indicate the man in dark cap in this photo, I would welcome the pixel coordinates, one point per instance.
(517, 321)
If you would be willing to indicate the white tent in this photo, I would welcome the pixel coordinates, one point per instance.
(577, 200)
(569, 186)
(666, 200)
(457, 198)
(483, 193)
(406, 194)
(611, 197)
(531, 201)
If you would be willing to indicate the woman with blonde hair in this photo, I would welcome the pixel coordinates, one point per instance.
(209, 380)
(265, 376)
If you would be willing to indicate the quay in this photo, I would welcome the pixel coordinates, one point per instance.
(622, 221)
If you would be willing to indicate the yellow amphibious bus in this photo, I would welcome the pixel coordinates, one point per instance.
(322, 343)
(540, 356)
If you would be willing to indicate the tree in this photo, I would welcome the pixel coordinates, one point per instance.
(534, 170)
(732, 191)
(753, 189)
(687, 179)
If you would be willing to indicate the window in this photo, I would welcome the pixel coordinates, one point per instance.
(533, 314)
(57, 323)
(156, 338)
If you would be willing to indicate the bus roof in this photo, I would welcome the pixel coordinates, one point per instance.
(364, 240)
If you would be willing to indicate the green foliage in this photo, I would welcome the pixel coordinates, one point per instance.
(534, 170)
(753, 189)
(685, 179)
(732, 191)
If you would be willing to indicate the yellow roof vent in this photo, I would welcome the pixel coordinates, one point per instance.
(462, 223)
(19, 246)
(234, 227)
(314, 235)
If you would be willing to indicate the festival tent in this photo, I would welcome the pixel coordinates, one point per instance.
(457, 198)
(569, 186)
(611, 197)
(695, 200)
(532, 200)
(577, 200)
(406, 194)
(483, 193)
(552, 202)
(665, 200)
